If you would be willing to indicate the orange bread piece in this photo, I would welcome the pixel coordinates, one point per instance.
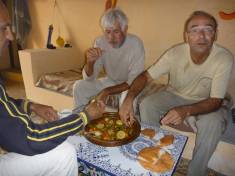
(148, 132)
(155, 159)
(167, 140)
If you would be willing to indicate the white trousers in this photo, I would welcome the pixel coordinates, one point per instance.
(60, 161)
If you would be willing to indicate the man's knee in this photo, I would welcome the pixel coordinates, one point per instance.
(149, 114)
(79, 85)
(67, 150)
(146, 102)
(213, 121)
(153, 103)
(67, 159)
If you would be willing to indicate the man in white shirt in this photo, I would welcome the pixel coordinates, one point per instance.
(119, 53)
(199, 71)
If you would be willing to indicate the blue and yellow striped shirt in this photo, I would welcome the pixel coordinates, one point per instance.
(20, 135)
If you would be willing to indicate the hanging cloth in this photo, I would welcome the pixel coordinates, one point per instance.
(21, 21)
(110, 4)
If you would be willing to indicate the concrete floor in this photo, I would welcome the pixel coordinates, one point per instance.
(15, 89)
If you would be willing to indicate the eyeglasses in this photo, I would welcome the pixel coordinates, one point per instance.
(197, 30)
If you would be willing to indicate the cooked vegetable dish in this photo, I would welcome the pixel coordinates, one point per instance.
(109, 129)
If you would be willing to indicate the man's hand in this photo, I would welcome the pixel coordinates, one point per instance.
(44, 111)
(102, 95)
(126, 112)
(95, 109)
(175, 116)
(93, 54)
(112, 90)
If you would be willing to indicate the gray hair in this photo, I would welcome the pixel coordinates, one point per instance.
(200, 13)
(114, 15)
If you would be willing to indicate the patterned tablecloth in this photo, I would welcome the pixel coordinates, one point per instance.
(122, 161)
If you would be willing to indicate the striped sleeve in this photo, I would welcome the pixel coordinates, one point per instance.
(26, 106)
(19, 134)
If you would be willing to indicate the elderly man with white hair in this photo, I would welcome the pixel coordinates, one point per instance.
(120, 54)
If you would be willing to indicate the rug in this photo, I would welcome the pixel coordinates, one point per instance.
(182, 167)
(181, 170)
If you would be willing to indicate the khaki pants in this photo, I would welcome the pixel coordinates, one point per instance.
(209, 126)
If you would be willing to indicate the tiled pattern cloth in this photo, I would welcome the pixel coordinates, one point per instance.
(181, 170)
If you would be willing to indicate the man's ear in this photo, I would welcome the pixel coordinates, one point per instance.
(125, 29)
(185, 37)
(216, 34)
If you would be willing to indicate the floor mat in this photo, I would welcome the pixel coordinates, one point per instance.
(181, 170)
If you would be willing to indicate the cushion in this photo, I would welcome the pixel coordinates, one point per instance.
(61, 82)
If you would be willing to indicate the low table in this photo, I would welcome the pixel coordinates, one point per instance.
(122, 160)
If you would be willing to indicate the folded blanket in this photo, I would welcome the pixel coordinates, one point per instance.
(61, 82)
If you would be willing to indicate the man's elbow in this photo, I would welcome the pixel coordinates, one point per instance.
(147, 76)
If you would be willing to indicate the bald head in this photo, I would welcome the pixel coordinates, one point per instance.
(5, 30)
(4, 15)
